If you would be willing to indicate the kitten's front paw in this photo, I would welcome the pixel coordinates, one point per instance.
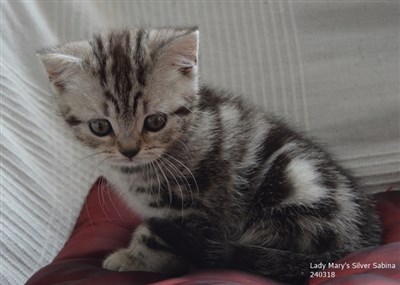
(121, 260)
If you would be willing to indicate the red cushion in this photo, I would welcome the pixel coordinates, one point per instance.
(105, 224)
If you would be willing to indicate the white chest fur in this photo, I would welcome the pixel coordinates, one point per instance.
(126, 185)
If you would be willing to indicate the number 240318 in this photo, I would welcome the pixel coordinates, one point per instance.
(322, 274)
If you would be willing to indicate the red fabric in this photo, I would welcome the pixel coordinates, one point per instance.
(105, 224)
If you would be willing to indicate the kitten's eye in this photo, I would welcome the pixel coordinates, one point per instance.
(100, 127)
(155, 122)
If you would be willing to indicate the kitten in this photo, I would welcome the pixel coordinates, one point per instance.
(218, 182)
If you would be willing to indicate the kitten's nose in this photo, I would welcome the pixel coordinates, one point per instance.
(129, 153)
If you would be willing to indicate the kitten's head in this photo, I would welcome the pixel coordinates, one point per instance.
(127, 93)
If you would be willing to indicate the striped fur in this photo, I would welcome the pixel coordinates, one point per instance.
(221, 184)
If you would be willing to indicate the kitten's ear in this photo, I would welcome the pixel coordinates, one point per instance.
(60, 67)
(182, 53)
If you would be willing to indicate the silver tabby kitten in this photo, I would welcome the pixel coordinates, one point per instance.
(218, 182)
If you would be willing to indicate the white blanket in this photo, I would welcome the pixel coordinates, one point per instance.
(330, 67)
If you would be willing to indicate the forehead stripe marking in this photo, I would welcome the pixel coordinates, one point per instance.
(135, 101)
(112, 99)
(99, 53)
(140, 58)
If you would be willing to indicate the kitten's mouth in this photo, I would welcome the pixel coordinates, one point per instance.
(139, 161)
(131, 162)
(132, 165)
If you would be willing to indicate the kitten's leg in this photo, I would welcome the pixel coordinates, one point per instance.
(146, 252)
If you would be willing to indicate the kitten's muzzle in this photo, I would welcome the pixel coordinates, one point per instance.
(129, 153)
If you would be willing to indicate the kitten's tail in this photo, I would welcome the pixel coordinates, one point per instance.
(210, 251)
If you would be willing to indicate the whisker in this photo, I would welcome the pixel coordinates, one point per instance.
(100, 194)
(112, 200)
(158, 198)
(101, 187)
(168, 185)
(190, 172)
(85, 157)
(189, 154)
(177, 183)
(88, 214)
(181, 175)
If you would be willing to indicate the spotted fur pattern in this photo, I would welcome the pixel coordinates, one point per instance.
(222, 184)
